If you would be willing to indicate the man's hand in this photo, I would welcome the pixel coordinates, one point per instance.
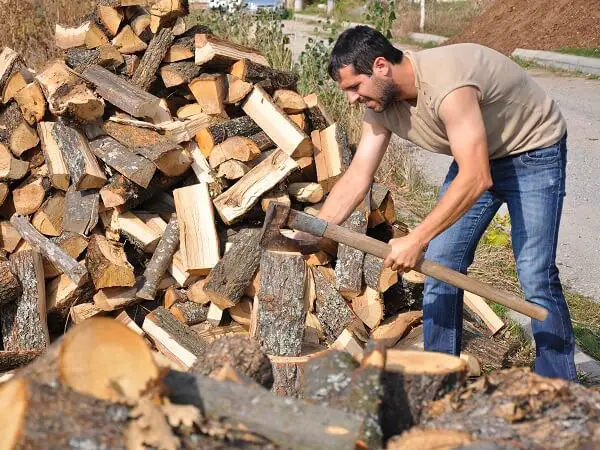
(406, 252)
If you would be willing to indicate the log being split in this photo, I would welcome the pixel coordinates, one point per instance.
(412, 378)
(348, 270)
(65, 263)
(160, 260)
(281, 303)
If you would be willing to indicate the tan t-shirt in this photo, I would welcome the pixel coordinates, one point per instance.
(517, 113)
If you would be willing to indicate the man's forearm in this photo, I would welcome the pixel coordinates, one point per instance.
(343, 199)
(458, 199)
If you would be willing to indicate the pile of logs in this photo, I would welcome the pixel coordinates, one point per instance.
(134, 177)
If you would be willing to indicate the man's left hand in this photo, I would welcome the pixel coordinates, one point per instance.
(406, 252)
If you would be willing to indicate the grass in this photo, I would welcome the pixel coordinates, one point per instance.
(528, 64)
(589, 52)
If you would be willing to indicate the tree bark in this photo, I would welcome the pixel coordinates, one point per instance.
(231, 276)
(281, 308)
(16, 359)
(330, 307)
(214, 135)
(155, 53)
(81, 210)
(159, 263)
(10, 288)
(190, 313)
(348, 269)
(252, 72)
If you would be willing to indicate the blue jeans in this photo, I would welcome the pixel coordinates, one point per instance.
(533, 186)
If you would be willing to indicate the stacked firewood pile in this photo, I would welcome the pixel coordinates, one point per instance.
(134, 177)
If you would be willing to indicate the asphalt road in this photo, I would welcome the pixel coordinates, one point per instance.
(578, 254)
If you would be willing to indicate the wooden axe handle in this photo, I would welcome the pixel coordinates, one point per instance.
(437, 271)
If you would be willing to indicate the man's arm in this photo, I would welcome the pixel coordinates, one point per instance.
(461, 113)
(354, 185)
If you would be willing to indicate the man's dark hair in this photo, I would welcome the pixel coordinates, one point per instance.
(359, 47)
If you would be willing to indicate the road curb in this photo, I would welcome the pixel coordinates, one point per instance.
(426, 37)
(562, 61)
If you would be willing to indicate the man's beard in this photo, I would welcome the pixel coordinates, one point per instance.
(388, 93)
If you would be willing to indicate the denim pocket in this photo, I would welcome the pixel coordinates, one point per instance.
(541, 156)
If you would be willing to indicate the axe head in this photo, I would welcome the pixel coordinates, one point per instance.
(273, 239)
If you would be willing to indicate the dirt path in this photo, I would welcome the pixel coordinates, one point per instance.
(579, 241)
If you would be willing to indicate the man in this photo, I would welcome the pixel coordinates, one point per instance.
(508, 140)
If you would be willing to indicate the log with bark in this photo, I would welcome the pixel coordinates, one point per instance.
(106, 56)
(252, 72)
(11, 168)
(10, 288)
(213, 135)
(81, 210)
(61, 295)
(218, 53)
(155, 53)
(282, 308)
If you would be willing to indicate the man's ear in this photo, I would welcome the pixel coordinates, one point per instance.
(381, 66)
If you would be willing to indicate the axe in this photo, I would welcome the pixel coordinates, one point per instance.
(281, 216)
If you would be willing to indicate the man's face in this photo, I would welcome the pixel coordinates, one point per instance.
(377, 92)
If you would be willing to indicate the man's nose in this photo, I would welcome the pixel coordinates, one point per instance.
(352, 97)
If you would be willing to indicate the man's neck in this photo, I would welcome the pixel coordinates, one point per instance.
(404, 79)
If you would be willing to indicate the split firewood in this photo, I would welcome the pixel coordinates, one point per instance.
(9, 237)
(83, 167)
(349, 343)
(190, 313)
(173, 296)
(262, 141)
(228, 280)
(136, 231)
(300, 120)
(382, 206)
(331, 156)
(189, 109)
(435, 438)
(164, 13)
(18, 80)
(195, 292)
(235, 148)
(255, 72)
(49, 218)
(276, 124)
(317, 114)
(11, 168)
(197, 234)
(14, 360)
(394, 328)
(330, 307)
(181, 50)
(4, 191)
(81, 210)
(150, 144)
(10, 62)
(107, 263)
(368, 306)
(213, 135)
(115, 298)
(240, 198)
(127, 42)
(65, 263)
(275, 195)
(106, 56)
(61, 295)
(290, 101)
(474, 368)
(157, 49)
(349, 266)
(121, 93)
(179, 271)
(83, 312)
(377, 276)
(129, 66)
(110, 17)
(10, 288)
(66, 93)
(183, 131)
(173, 339)
(16, 133)
(30, 423)
(29, 196)
(412, 378)
(260, 410)
(160, 260)
(128, 320)
(210, 92)
(177, 74)
(139, 19)
(237, 90)
(87, 35)
(73, 244)
(242, 312)
(125, 357)
(281, 295)
(306, 192)
(137, 168)
(58, 171)
(32, 102)
(232, 170)
(479, 306)
(215, 315)
(23, 321)
(218, 53)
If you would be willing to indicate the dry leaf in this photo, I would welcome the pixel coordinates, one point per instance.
(149, 427)
(182, 415)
